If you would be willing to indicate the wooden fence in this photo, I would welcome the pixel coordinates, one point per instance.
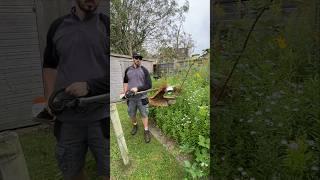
(167, 69)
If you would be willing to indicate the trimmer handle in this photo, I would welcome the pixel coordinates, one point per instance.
(60, 100)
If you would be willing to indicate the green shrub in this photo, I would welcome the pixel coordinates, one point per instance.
(269, 129)
(187, 121)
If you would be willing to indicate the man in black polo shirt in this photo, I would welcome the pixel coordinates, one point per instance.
(137, 78)
(77, 59)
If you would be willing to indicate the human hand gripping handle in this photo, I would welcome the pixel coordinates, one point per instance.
(78, 89)
(128, 94)
(134, 89)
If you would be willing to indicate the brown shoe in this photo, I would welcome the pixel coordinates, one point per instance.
(147, 136)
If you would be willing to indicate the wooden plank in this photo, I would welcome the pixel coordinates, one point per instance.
(15, 46)
(25, 107)
(15, 109)
(33, 91)
(119, 133)
(13, 117)
(31, 35)
(21, 87)
(20, 42)
(18, 24)
(23, 90)
(12, 91)
(21, 84)
(20, 63)
(8, 106)
(16, 16)
(18, 21)
(14, 67)
(17, 29)
(24, 110)
(16, 2)
(14, 114)
(21, 10)
(5, 50)
(11, 152)
(16, 122)
(24, 69)
(18, 75)
(13, 122)
(10, 97)
(29, 79)
(18, 55)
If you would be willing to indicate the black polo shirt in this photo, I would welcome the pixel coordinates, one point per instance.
(138, 77)
(79, 50)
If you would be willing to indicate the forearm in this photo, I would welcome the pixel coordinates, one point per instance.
(49, 79)
(125, 87)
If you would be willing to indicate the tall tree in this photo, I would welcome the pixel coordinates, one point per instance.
(135, 22)
(176, 45)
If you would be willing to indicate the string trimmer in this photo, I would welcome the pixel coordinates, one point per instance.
(129, 94)
(60, 101)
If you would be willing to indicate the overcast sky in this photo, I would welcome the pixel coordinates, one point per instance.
(198, 23)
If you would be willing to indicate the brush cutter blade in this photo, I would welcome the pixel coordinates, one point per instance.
(160, 100)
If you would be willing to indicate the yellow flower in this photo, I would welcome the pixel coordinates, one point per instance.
(282, 43)
(197, 75)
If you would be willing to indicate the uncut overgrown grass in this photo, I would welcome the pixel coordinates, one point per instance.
(269, 128)
(187, 121)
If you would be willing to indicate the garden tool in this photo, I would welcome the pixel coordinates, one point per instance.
(160, 100)
(156, 100)
(60, 101)
(129, 94)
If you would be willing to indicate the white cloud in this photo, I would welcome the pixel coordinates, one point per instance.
(198, 23)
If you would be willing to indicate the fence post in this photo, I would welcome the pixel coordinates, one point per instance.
(119, 133)
(12, 163)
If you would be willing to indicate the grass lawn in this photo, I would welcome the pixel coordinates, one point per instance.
(38, 148)
(147, 161)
